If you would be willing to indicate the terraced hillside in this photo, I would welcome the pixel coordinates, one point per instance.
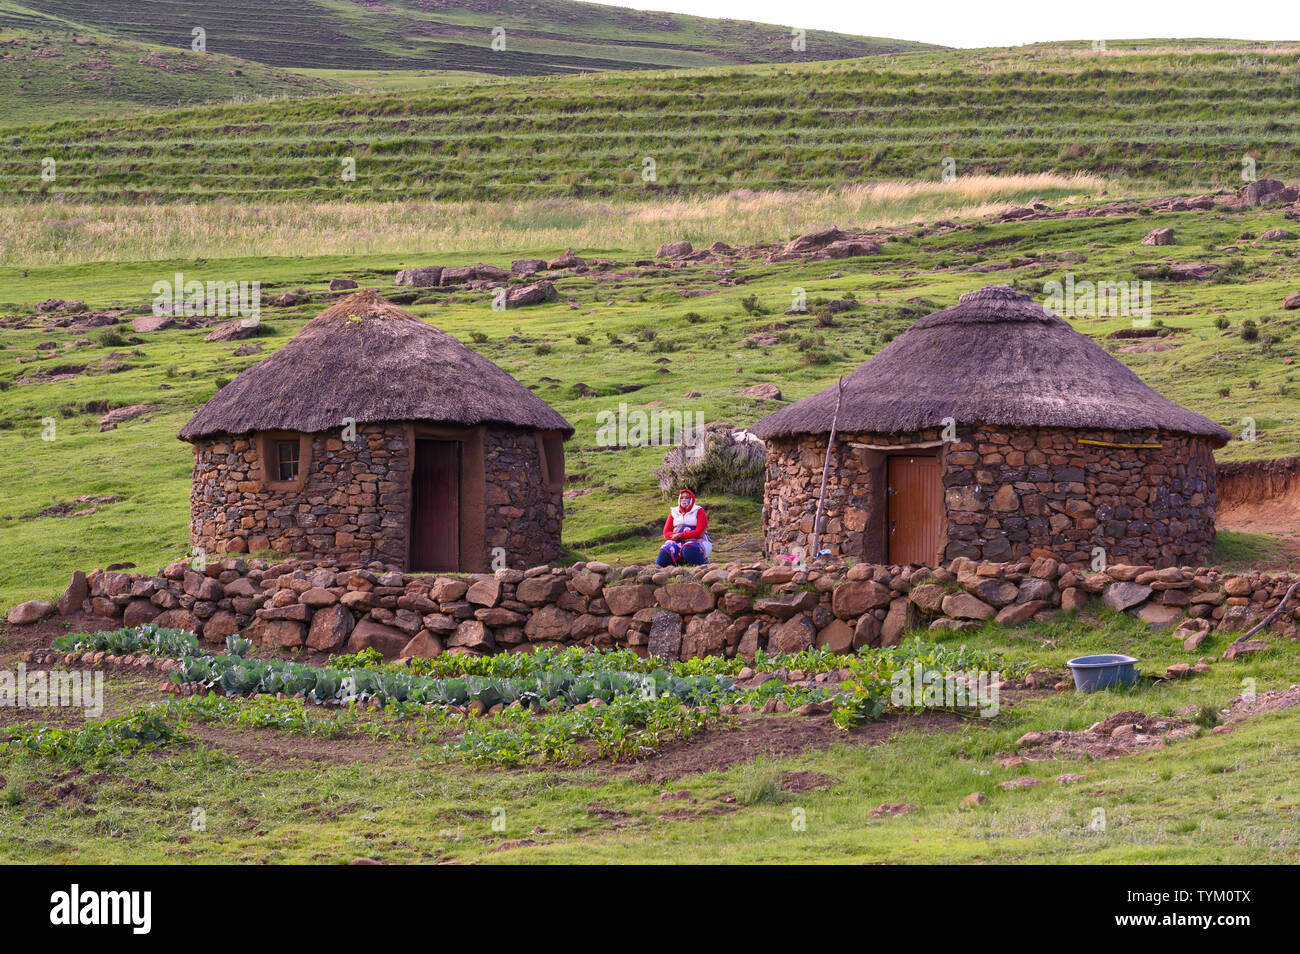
(544, 36)
(1185, 118)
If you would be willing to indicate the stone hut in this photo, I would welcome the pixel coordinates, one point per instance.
(993, 430)
(373, 436)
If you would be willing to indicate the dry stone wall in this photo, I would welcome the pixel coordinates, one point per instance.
(731, 610)
(1028, 493)
(352, 507)
(523, 512)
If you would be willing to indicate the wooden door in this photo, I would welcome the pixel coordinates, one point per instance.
(435, 506)
(915, 524)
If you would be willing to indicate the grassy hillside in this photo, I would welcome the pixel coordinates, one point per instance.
(647, 336)
(1186, 118)
(72, 74)
(545, 36)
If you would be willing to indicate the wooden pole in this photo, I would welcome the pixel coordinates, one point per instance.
(1271, 616)
(826, 470)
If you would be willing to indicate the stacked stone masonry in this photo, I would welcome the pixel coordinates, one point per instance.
(675, 613)
(1008, 494)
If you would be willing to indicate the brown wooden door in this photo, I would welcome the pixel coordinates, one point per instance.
(435, 506)
(915, 510)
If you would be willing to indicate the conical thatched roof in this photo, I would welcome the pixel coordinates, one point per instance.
(368, 360)
(995, 358)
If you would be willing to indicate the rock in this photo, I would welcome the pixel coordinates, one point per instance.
(1192, 271)
(548, 623)
(892, 810)
(965, 606)
(1237, 619)
(1192, 632)
(318, 597)
(121, 415)
(426, 276)
(33, 611)
(928, 597)
(330, 628)
(1025, 781)
(812, 241)
(706, 635)
(997, 593)
(837, 637)
(177, 619)
(855, 598)
(567, 260)
(424, 645)
(533, 294)
(793, 636)
(684, 598)
(472, 634)
(973, 800)
(764, 392)
(473, 273)
(1264, 192)
(628, 599)
(145, 324)
(1035, 590)
(76, 593)
(139, 612)
(1178, 671)
(896, 622)
(1159, 237)
(787, 605)
(487, 592)
(1291, 301)
(1123, 596)
(221, 624)
(523, 267)
(674, 250)
(279, 633)
(235, 330)
(1073, 599)
(540, 590)
(342, 284)
(850, 248)
(388, 641)
(1017, 613)
(1247, 648)
(1158, 616)
(665, 635)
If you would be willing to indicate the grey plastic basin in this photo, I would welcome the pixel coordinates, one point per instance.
(1092, 673)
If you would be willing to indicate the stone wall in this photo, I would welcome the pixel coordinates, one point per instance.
(1008, 495)
(352, 506)
(675, 612)
(524, 512)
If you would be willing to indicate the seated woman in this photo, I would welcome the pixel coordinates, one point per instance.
(687, 533)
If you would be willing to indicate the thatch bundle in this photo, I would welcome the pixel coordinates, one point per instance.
(994, 358)
(366, 360)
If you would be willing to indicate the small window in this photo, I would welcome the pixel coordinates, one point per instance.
(286, 455)
(554, 449)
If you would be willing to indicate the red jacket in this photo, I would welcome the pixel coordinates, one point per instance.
(701, 525)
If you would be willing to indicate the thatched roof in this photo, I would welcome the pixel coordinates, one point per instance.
(366, 359)
(995, 358)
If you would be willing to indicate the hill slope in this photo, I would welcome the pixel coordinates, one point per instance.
(544, 36)
(1185, 119)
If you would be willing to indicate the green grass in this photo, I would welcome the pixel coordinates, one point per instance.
(619, 517)
(1186, 117)
(1207, 799)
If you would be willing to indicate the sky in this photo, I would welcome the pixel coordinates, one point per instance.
(971, 23)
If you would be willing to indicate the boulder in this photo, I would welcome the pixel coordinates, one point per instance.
(764, 392)
(427, 276)
(138, 612)
(928, 597)
(674, 250)
(76, 593)
(567, 260)
(897, 620)
(221, 624)
(548, 623)
(177, 619)
(793, 636)
(533, 294)
(485, 592)
(144, 324)
(236, 330)
(1158, 616)
(855, 598)
(1017, 613)
(540, 590)
(706, 635)
(665, 635)
(966, 606)
(473, 273)
(837, 637)
(523, 267)
(1247, 648)
(341, 284)
(1159, 237)
(33, 611)
(1191, 633)
(473, 635)
(849, 248)
(424, 645)
(279, 633)
(388, 641)
(1035, 590)
(330, 628)
(627, 599)
(685, 598)
(1123, 596)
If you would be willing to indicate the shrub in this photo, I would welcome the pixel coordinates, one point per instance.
(1249, 331)
(726, 465)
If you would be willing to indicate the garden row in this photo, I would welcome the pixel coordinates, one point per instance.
(672, 613)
